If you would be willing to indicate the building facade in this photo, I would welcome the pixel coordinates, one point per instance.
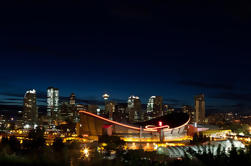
(72, 99)
(121, 114)
(155, 107)
(134, 109)
(52, 103)
(110, 109)
(190, 111)
(30, 112)
(199, 104)
(92, 108)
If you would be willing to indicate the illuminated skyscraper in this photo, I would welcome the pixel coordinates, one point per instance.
(134, 109)
(190, 111)
(72, 99)
(52, 102)
(110, 109)
(30, 114)
(199, 104)
(154, 107)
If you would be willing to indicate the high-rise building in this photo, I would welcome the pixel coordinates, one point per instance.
(81, 107)
(190, 111)
(155, 107)
(52, 102)
(92, 108)
(134, 108)
(110, 109)
(120, 114)
(167, 109)
(30, 113)
(72, 99)
(199, 104)
(64, 110)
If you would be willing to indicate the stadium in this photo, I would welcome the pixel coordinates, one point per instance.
(162, 129)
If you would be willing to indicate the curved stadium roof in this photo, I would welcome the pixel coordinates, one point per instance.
(169, 121)
(172, 120)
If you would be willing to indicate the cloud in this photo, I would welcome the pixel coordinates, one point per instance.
(91, 101)
(11, 94)
(170, 100)
(199, 84)
(17, 98)
(41, 95)
(212, 110)
(4, 107)
(173, 105)
(9, 103)
(246, 97)
(119, 100)
(236, 102)
(4, 84)
(13, 99)
(238, 107)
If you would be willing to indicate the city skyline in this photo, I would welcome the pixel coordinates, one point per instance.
(125, 82)
(163, 49)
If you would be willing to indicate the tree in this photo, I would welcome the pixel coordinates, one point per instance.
(37, 138)
(199, 138)
(11, 145)
(58, 144)
(112, 142)
(14, 144)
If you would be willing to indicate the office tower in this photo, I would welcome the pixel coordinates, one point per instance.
(92, 108)
(167, 109)
(110, 109)
(67, 111)
(229, 117)
(190, 111)
(72, 99)
(134, 108)
(81, 107)
(78, 108)
(120, 114)
(52, 102)
(30, 114)
(199, 104)
(154, 107)
(64, 110)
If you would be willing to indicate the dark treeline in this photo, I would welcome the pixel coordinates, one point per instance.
(33, 151)
(140, 157)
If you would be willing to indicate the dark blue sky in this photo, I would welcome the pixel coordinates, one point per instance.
(175, 49)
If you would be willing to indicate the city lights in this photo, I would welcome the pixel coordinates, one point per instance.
(85, 152)
(125, 83)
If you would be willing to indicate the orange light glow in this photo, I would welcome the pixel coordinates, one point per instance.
(153, 129)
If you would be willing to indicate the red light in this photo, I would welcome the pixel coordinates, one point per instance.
(147, 129)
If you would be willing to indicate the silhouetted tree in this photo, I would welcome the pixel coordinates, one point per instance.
(37, 138)
(112, 142)
(199, 138)
(14, 144)
(58, 144)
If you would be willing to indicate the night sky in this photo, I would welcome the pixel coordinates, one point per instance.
(175, 49)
